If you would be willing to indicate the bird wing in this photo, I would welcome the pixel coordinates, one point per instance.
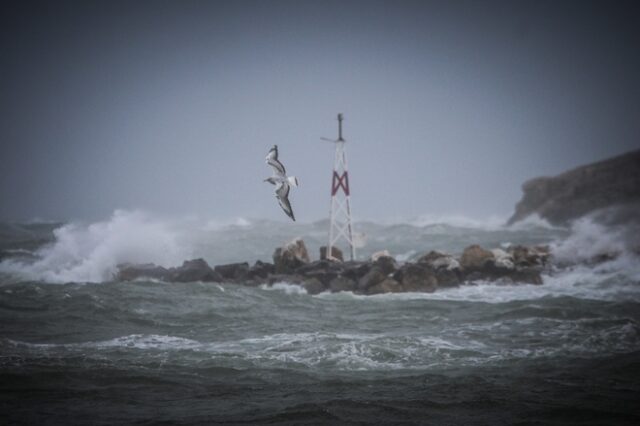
(272, 160)
(282, 194)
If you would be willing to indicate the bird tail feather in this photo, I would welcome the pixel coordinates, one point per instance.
(293, 181)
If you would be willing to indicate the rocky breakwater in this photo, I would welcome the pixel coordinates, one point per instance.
(381, 274)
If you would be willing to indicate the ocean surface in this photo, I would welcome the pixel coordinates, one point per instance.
(78, 348)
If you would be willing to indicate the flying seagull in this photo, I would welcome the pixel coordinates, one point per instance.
(282, 182)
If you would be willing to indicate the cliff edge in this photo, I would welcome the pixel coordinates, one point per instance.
(577, 192)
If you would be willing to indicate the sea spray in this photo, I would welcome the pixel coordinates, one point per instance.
(90, 253)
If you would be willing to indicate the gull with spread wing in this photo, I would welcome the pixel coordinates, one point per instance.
(282, 182)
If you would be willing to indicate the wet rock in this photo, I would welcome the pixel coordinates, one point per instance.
(416, 277)
(342, 283)
(285, 278)
(475, 258)
(314, 286)
(130, 272)
(386, 264)
(503, 260)
(529, 256)
(233, 271)
(371, 278)
(527, 275)
(382, 253)
(389, 285)
(448, 277)
(336, 253)
(323, 270)
(445, 267)
(437, 261)
(261, 270)
(290, 257)
(355, 270)
(582, 190)
(194, 270)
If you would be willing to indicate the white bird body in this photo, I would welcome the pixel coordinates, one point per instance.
(282, 182)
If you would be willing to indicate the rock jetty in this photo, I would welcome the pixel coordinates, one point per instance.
(382, 274)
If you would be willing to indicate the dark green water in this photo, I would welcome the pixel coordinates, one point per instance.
(566, 352)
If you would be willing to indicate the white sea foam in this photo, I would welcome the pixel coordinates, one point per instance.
(286, 287)
(90, 253)
(454, 344)
(590, 239)
(133, 341)
(457, 220)
(531, 222)
(611, 281)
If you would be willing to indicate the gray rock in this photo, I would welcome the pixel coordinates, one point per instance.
(529, 256)
(355, 270)
(527, 275)
(336, 253)
(194, 270)
(130, 272)
(314, 286)
(342, 283)
(416, 277)
(261, 270)
(371, 278)
(389, 285)
(445, 267)
(437, 261)
(233, 271)
(475, 258)
(503, 260)
(579, 191)
(290, 257)
(386, 264)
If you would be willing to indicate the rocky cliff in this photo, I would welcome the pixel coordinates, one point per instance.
(577, 192)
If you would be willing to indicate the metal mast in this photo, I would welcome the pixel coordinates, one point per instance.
(340, 216)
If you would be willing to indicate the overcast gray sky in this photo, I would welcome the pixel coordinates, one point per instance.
(171, 106)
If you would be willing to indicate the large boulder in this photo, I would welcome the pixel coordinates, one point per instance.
(355, 270)
(233, 271)
(475, 258)
(261, 270)
(437, 260)
(527, 276)
(342, 283)
(371, 278)
(194, 270)
(290, 257)
(130, 272)
(382, 253)
(579, 191)
(416, 277)
(503, 260)
(336, 253)
(324, 270)
(313, 286)
(529, 256)
(285, 278)
(445, 267)
(389, 285)
(386, 264)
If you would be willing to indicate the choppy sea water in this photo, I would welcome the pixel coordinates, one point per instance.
(77, 348)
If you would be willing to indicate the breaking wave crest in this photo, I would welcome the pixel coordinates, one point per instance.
(90, 253)
(460, 344)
